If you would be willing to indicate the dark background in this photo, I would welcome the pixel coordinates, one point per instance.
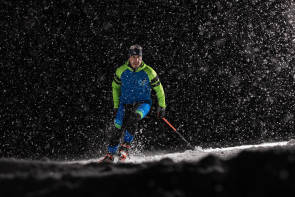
(227, 68)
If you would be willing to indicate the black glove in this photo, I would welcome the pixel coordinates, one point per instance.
(115, 112)
(160, 112)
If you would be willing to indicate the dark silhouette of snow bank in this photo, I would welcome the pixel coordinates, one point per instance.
(261, 172)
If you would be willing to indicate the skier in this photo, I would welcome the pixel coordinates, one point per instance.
(131, 87)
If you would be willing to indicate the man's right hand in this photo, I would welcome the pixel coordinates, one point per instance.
(115, 112)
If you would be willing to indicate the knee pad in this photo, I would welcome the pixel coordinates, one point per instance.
(133, 123)
(135, 117)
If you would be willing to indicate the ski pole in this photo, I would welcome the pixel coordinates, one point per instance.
(187, 143)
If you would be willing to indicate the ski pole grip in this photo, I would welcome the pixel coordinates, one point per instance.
(169, 124)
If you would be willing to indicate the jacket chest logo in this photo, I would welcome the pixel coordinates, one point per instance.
(142, 82)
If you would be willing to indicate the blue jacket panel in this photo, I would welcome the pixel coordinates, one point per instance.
(135, 87)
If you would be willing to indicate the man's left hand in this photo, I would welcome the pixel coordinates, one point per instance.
(160, 112)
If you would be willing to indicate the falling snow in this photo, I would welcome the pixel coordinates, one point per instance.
(227, 68)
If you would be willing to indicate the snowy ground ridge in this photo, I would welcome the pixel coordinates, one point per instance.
(192, 155)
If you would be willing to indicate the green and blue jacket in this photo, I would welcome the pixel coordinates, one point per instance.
(130, 86)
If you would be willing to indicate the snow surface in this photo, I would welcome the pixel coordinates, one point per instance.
(262, 170)
(198, 153)
(191, 155)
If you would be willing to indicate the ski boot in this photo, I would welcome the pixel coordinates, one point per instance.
(109, 158)
(123, 151)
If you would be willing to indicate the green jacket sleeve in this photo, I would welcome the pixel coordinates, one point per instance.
(116, 84)
(156, 86)
(160, 95)
(116, 89)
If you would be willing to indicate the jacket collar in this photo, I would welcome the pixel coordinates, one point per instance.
(141, 67)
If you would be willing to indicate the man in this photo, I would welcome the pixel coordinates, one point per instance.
(132, 85)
